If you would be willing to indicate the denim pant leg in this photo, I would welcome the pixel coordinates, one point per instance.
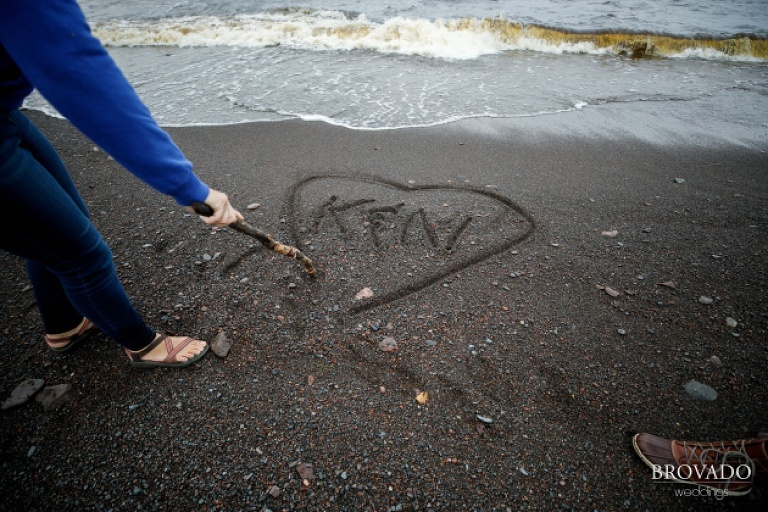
(70, 266)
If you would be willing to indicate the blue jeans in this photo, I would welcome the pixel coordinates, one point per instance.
(46, 222)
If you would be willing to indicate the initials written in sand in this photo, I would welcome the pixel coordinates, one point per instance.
(389, 224)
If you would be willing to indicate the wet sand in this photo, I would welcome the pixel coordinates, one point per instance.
(524, 279)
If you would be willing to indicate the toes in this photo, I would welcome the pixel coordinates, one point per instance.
(191, 350)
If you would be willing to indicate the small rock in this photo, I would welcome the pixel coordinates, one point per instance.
(668, 284)
(610, 291)
(422, 397)
(610, 234)
(523, 471)
(53, 397)
(207, 257)
(344, 475)
(365, 293)
(23, 393)
(705, 300)
(253, 206)
(274, 491)
(622, 332)
(700, 391)
(731, 322)
(305, 470)
(388, 345)
(31, 451)
(716, 361)
(220, 345)
(431, 343)
(484, 419)
(679, 180)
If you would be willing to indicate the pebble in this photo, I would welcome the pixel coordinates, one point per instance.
(23, 392)
(53, 397)
(610, 291)
(274, 491)
(484, 419)
(207, 257)
(679, 180)
(253, 206)
(31, 451)
(700, 391)
(523, 471)
(305, 471)
(431, 343)
(716, 361)
(220, 345)
(731, 322)
(705, 300)
(622, 332)
(610, 234)
(388, 345)
(364, 294)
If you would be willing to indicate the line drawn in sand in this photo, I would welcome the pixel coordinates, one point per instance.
(401, 238)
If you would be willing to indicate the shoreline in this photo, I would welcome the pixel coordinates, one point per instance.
(526, 335)
(675, 127)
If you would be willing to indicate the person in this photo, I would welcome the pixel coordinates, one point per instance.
(727, 467)
(48, 45)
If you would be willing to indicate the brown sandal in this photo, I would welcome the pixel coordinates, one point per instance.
(83, 333)
(170, 360)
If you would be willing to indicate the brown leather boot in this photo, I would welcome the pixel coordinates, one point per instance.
(729, 467)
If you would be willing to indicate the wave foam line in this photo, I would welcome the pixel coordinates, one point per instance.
(466, 38)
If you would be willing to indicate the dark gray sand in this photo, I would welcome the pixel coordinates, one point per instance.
(492, 261)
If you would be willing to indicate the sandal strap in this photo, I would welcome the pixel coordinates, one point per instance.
(136, 356)
(173, 352)
(84, 326)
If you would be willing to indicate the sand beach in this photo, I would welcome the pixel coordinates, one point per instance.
(551, 293)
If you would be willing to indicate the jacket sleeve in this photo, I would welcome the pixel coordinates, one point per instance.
(52, 44)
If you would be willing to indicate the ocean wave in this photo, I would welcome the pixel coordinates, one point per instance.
(460, 39)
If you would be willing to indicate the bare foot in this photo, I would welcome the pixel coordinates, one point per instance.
(168, 351)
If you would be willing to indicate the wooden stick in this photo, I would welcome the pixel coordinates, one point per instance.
(265, 238)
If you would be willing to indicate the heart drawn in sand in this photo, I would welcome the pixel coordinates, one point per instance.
(397, 239)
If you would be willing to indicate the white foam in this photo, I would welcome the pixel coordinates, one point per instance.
(318, 30)
(460, 39)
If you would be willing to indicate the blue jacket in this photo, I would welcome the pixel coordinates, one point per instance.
(48, 45)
